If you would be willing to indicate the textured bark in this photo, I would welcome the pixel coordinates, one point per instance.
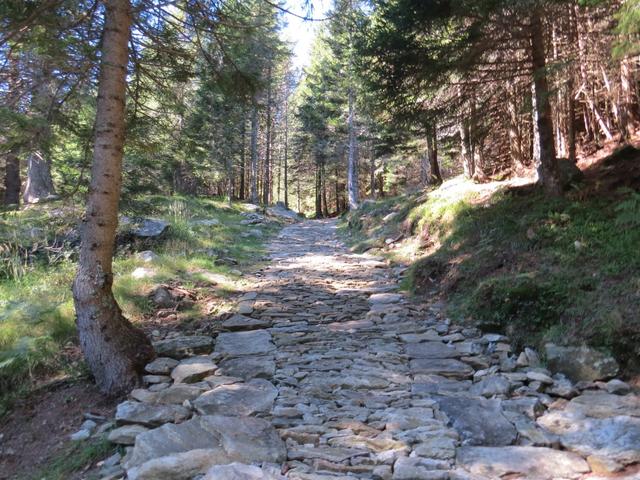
(318, 187)
(243, 159)
(548, 168)
(115, 351)
(432, 155)
(266, 179)
(254, 153)
(352, 161)
(11, 179)
(465, 153)
(372, 172)
(39, 184)
(286, 152)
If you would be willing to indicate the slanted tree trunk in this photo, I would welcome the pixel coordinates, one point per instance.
(115, 351)
(254, 152)
(548, 174)
(39, 184)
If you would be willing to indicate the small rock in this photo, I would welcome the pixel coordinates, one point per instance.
(385, 298)
(580, 363)
(183, 346)
(149, 415)
(617, 387)
(126, 435)
(150, 228)
(491, 386)
(161, 366)
(142, 272)
(147, 256)
(80, 435)
(540, 377)
(163, 298)
(193, 370)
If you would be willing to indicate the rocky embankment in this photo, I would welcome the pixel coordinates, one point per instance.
(329, 373)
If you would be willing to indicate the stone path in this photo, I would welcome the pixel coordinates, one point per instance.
(328, 373)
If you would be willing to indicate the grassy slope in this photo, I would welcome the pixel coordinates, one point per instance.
(536, 268)
(37, 329)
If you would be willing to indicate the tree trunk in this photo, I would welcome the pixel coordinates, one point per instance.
(352, 162)
(298, 192)
(266, 181)
(11, 179)
(465, 154)
(325, 205)
(115, 351)
(39, 184)
(318, 192)
(432, 154)
(372, 172)
(254, 152)
(243, 159)
(286, 152)
(548, 167)
(516, 149)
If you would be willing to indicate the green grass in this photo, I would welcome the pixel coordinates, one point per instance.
(37, 319)
(537, 268)
(74, 457)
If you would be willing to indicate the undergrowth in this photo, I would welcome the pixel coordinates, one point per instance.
(537, 268)
(38, 251)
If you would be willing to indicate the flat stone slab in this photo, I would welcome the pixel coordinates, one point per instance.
(241, 471)
(165, 451)
(126, 435)
(532, 463)
(248, 367)
(385, 298)
(161, 366)
(242, 322)
(332, 454)
(592, 427)
(236, 344)
(479, 421)
(428, 336)
(177, 394)
(431, 350)
(448, 367)
(255, 396)
(184, 346)
(150, 415)
(193, 370)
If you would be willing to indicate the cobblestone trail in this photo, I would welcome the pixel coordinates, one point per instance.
(328, 373)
